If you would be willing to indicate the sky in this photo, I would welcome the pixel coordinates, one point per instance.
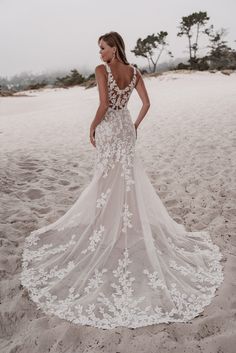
(47, 35)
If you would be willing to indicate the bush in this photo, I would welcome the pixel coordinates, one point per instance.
(75, 78)
(182, 66)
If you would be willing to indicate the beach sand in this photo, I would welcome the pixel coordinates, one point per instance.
(187, 144)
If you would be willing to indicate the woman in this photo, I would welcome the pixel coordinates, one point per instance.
(117, 258)
(117, 59)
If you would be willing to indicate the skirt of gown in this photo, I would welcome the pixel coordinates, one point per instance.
(116, 257)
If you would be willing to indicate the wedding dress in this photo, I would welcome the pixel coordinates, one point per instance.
(116, 257)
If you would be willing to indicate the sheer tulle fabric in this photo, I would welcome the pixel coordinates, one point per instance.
(117, 258)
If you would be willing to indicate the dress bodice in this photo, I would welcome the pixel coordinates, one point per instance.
(118, 98)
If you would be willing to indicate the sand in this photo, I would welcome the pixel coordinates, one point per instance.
(187, 145)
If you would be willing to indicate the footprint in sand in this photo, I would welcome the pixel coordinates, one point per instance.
(34, 194)
(171, 202)
(29, 164)
(72, 188)
(51, 187)
(43, 210)
(64, 182)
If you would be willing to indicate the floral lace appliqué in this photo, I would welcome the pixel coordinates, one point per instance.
(126, 217)
(103, 198)
(94, 240)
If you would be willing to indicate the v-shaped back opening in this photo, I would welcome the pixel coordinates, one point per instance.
(121, 89)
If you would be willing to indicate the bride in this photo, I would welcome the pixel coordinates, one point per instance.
(116, 257)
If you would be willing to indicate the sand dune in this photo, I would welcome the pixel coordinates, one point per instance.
(187, 145)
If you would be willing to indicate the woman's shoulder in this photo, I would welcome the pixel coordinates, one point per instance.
(100, 68)
(138, 75)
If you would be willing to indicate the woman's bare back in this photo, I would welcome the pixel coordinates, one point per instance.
(122, 74)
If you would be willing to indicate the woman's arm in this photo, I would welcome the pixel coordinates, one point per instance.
(142, 92)
(100, 75)
(103, 95)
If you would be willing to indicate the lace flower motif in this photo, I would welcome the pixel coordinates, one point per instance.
(123, 306)
(154, 280)
(46, 249)
(103, 198)
(96, 280)
(126, 217)
(94, 240)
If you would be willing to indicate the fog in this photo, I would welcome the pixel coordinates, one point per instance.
(42, 35)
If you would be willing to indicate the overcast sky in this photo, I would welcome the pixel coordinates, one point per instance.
(40, 35)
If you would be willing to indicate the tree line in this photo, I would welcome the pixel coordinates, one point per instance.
(219, 56)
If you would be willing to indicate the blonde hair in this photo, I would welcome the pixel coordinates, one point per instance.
(114, 39)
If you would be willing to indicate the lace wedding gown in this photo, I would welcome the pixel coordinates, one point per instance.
(117, 258)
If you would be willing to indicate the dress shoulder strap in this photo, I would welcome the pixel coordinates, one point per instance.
(134, 80)
(107, 67)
